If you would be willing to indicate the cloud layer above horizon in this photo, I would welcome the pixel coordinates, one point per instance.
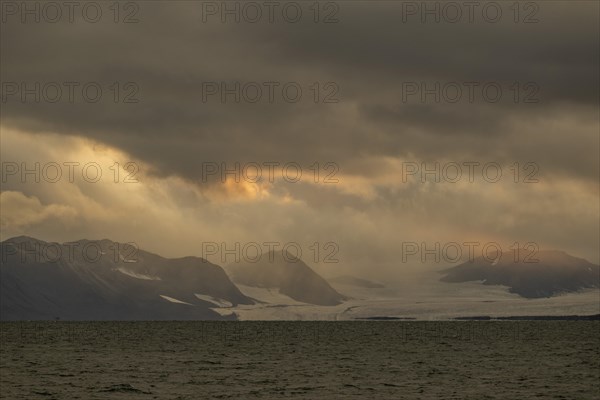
(370, 111)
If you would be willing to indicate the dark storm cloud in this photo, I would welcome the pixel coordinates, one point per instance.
(369, 54)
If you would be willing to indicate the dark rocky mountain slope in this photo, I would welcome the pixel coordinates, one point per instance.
(553, 273)
(105, 280)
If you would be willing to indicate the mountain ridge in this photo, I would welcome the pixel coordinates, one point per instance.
(100, 280)
(546, 274)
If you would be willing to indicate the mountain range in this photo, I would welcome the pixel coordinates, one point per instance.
(106, 280)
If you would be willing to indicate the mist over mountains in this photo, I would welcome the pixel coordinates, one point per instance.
(291, 276)
(106, 280)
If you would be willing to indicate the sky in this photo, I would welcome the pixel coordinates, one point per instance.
(349, 130)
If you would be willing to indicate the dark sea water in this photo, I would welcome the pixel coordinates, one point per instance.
(301, 360)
